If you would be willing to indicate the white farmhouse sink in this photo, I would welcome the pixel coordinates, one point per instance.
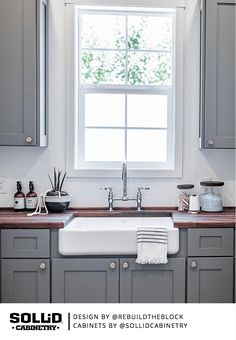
(111, 235)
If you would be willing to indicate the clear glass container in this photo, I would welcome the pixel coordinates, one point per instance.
(211, 199)
(184, 193)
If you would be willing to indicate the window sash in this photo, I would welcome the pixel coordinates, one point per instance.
(81, 127)
(157, 13)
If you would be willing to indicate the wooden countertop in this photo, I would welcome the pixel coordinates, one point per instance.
(222, 219)
(11, 219)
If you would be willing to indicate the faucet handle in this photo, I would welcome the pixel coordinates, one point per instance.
(110, 197)
(106, 188)
(110, 192)
(141, 188)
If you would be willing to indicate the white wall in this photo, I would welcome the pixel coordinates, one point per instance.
(34, 164)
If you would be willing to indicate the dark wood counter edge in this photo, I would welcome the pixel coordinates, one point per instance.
(30, 225)
(10, 219)
(40, 222)
(203, 225)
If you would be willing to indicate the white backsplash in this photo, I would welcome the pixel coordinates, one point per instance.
(19, 163)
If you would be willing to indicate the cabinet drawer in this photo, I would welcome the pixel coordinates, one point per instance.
(25, 243)
(211, 242)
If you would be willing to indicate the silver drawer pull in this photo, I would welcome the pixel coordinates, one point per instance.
(42, 266)
(113, 265)
(210, 141)
(125, 265)
(193, 264)
(28, 139)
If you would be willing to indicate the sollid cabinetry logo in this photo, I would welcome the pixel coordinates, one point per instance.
(36, 321)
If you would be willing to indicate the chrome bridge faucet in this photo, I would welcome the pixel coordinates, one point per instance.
(125, 197)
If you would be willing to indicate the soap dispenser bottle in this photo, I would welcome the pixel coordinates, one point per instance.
(31, 198)
(19, 198)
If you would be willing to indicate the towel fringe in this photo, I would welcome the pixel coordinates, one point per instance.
(152, 245)
(150, 261)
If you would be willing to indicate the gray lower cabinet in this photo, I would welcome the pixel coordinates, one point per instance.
(210, 242)
(23, 70)
(101, 280)
(25, 243)
(210, 280)
(32, 272)
(210, 266)
(25, 280)
(152, 283)
(25, 265)
(217, 123)
(85, 280)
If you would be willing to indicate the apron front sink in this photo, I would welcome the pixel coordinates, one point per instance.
(111, 235)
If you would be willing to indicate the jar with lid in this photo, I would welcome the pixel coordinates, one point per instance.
(211, 200)
(185, 191)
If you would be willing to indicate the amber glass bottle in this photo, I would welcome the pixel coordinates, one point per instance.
(19, 198)
(31, 198)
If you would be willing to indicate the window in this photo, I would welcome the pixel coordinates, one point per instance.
(124, 88)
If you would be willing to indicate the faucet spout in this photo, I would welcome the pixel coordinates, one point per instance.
(124, 179)
(125, 197)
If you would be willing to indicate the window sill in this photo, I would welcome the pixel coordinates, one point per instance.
(112, 173)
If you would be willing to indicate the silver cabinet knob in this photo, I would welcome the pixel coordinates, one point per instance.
(42, 266)
(210, 141)
(125, 265)
(113, 265)
(193, 264)
(28, 139)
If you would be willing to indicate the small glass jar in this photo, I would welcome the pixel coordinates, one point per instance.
(211, 200)
(185, 191)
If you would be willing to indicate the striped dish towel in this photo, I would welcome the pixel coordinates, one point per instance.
(152, 245)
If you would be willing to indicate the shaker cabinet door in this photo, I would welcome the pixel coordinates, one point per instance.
(17, 72)
(218, 74)
(85, 280)
(23, 57)
(210, 280)
(25, 280)
(161, 283)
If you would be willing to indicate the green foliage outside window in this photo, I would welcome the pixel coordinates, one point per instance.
(143, 67)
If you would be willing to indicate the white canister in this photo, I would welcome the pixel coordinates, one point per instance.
(194, 203)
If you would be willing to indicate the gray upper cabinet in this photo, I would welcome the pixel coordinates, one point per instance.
(217, 123)
(23, 72)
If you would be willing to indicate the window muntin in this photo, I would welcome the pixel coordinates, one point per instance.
(129, 48)
(123, 71)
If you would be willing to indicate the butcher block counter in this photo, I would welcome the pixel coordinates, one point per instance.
(11, 219)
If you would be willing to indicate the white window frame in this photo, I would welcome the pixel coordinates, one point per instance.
(73, 105)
